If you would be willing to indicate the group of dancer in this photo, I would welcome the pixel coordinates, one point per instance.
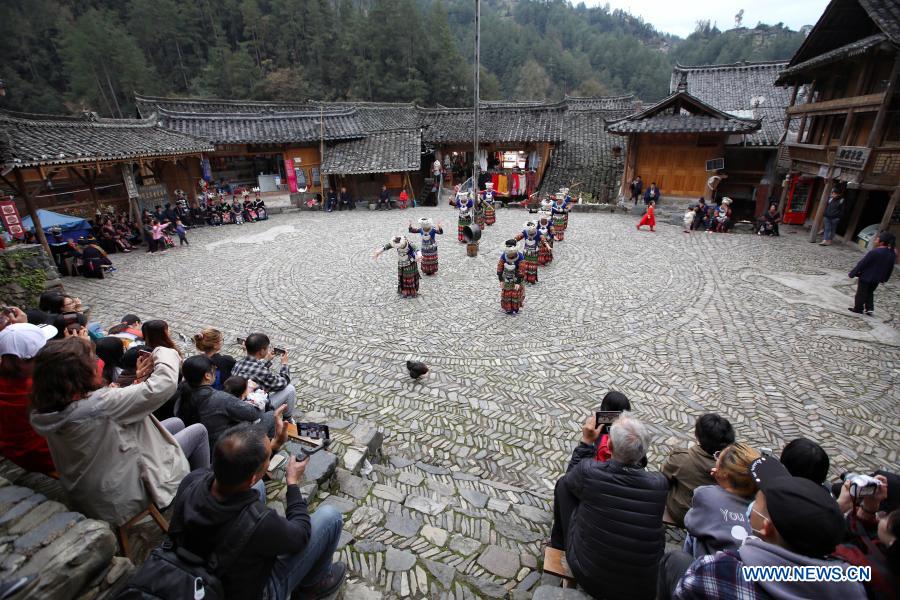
(515, 267)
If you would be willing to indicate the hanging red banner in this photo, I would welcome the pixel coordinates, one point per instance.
(9, 215)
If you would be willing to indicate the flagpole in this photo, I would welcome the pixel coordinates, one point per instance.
(475, 164)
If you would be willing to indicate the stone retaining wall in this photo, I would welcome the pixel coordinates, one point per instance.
(70, 555)
(25, 272)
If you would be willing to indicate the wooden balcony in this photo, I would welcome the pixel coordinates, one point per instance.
(838, 105)
(811, 153)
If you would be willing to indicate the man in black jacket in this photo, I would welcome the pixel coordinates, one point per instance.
(384, 199)
(284, 557)
(834, 210)
(874, 268)
(607, 516)
(346, 200)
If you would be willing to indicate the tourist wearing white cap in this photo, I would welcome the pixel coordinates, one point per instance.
(19, 344)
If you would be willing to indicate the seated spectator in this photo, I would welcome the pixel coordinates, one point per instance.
(384, 199)
(607, 516)
(797, 524)
(19, 344)
(128, 374)
(615, 401)
(871, 541)
(215, 409)
(130, 329)
(209, 342)
(805, 458)
(768, 222)
(236, 386)
(69, 324)
(256, 366)
(110, 350)
(717, 519)
(284, 557)
(156, 335)
(113, 457)
(688, 469)
(92, 259)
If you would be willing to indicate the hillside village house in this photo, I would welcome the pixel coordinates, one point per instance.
(849, 120)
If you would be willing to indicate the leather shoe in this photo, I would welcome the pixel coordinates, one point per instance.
(325, 587)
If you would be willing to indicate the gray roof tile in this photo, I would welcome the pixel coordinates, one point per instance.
(392, 151)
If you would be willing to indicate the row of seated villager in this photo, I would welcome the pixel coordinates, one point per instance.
(740, 507)
(127, 425)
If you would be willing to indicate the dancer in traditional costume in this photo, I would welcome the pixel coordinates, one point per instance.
(487, 196)
(407, 265)
(478, 211)
(428, 233)
(464, 204)
(649, 217)
(533, 242)
(545, 229)
(510, 271)
(559, 208)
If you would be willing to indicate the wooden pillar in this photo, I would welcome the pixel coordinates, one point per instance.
(35, 219)
(785, 187)
(883, 109)
(861, 199)
(891, 207)
(829, 179)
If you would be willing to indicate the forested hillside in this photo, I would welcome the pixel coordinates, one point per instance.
(61, 56)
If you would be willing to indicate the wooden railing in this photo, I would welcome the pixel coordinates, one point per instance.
(838, 105)
(884, 166)
(811, 153)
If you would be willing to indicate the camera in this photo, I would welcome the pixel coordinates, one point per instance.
(861, 485)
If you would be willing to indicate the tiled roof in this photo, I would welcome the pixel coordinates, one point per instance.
(585, 154)
(28, 140)
(279, 127)
(498, 123)
(393, 151)
(747, 89)
(790, 75)
(147, 105)
(682, 113)
(886, 14)
(378, 116)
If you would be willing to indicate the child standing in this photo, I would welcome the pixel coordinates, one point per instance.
(649, 217)
(182, 233)
(874, 268)
(157, 236)
(689, 218)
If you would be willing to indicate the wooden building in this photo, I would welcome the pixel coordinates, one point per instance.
(515, 142)
(849, 118)
(266, 144)
(81, 165)
(674, 141)
(754, 163)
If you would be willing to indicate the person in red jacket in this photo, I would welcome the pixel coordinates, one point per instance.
(19, 343)
(649, 217)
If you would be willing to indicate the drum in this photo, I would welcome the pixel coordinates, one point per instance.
(472, 248)
(472, 233)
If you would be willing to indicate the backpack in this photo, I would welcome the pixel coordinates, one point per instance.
(174, 573)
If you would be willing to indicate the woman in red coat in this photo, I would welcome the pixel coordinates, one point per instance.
(649, 218)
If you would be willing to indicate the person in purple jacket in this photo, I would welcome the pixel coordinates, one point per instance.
(874, 268)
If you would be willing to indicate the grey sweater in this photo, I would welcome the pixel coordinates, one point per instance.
(717, 520)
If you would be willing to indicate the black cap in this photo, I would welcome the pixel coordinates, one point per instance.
(804, 513)
(130, 319)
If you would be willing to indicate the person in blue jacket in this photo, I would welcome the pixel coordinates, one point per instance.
(874, 268)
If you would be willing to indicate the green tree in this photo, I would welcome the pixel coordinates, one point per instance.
(445, 71)
(534, 83)
(104, 63)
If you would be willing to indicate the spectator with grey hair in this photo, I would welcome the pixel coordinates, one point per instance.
(607, 516)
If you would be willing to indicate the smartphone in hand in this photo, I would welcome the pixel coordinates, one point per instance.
(606, 417)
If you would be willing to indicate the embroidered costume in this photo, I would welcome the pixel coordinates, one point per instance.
(533, 243)
(487, 196)
(464, 204)
(510, 271)
(545, 229)
(428, 233)
(407, 269)
(559, 208)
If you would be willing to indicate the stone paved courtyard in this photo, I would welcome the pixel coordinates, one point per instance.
(753, 328)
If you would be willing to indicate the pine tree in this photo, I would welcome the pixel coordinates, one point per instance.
(534, 83)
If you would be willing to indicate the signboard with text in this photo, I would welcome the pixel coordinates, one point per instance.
(852, 157)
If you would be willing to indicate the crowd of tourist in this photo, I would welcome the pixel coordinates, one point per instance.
(123, 420)
(740, 506)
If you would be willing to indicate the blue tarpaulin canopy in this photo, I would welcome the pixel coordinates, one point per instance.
(72, 227)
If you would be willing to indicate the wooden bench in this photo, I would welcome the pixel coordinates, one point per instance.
(122, 530)
(555, 564)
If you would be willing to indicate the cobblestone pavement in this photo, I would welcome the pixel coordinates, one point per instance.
(753, 328)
